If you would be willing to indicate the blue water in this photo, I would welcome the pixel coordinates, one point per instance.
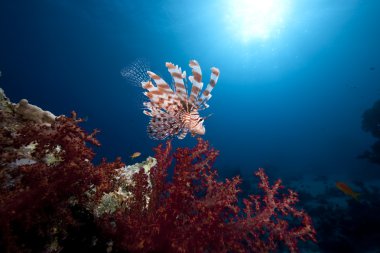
(291, 102)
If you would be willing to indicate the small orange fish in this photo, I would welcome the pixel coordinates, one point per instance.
(347, 190)
(136, 154)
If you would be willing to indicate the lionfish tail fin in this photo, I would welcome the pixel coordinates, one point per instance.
(206, 95)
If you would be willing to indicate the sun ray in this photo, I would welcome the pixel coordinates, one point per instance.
(256, 19)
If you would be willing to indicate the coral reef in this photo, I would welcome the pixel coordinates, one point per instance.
(119, 199)
(27, 111)
(193, 212)
(34, 113)
(45, 171)
(53, 198)
(371, 123)
(371, 120)
(343, 223)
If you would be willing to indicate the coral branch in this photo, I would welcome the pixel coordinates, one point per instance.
(193, 212)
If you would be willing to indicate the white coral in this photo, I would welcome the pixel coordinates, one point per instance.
(118, 199)
(127, 172)
(34, 113)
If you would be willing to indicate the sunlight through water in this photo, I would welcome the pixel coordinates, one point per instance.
(256, 19)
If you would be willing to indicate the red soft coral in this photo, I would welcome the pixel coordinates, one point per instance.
(193, 212)
(36, 199)
(188, 212)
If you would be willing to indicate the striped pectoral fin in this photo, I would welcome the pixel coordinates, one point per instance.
(206, 95)
(196, 81)
(148, 85)
(152, 89)
(177, 74)
(168, 102)
(148, 113)
(150, 109)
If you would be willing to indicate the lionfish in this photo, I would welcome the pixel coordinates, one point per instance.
(173, 112)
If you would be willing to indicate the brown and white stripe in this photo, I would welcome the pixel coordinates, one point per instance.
(161, 95)
(183, 134)
(196, 81)
(178, 76)
(206, 95)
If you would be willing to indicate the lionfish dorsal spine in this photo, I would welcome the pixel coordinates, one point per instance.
(196, 81)
(206, 94)
(179, 85)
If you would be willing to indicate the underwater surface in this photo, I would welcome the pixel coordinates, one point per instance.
(298, 92)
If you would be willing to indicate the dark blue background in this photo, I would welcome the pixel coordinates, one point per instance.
(291, 103)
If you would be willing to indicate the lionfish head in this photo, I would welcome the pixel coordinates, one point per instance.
(199, 128)
(194, 122)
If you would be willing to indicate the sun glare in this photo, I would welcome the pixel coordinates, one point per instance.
(256, 19)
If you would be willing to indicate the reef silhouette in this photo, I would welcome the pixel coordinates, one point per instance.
(371, 124)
